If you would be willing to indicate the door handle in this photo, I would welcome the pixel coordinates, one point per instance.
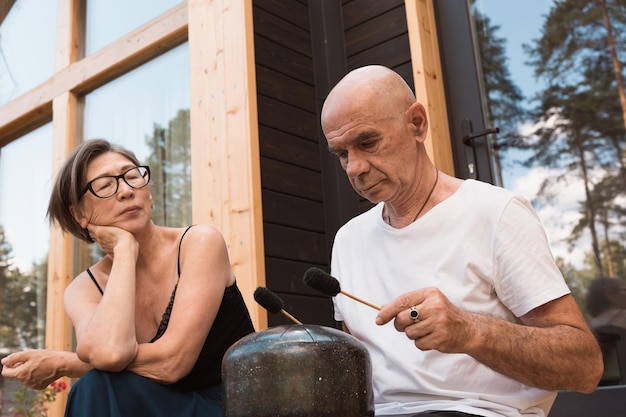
(468, 140)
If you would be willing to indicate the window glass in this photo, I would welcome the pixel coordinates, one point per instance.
(147, 111)
(108, 20)
(26, 55)
(553, 78)
(24, 239)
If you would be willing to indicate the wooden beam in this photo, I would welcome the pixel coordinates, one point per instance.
(428, 78)
(60, 255)
(226, 175)
(152, 39)
(5, 8)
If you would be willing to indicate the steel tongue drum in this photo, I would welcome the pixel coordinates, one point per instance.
(297, 371)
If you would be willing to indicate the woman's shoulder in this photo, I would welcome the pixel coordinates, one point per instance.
(90, 280)
(199, 238)
(200, 231)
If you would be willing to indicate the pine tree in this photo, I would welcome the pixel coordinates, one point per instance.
(580, 129)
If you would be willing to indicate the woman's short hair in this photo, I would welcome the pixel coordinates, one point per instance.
(71, 180)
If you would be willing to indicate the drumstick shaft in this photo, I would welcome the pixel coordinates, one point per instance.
(292, 318)
(360, 300)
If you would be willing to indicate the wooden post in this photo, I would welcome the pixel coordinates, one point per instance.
(226, 174)
(60, 273)
(428, 77)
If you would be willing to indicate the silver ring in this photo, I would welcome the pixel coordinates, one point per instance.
(414, 314)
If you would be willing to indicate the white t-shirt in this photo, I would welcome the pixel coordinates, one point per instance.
(487, 251)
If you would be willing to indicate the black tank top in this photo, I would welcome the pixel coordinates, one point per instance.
(231, 324)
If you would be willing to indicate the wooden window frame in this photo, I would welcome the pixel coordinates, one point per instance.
(223, 128)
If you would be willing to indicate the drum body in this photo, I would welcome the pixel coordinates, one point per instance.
(293, 370)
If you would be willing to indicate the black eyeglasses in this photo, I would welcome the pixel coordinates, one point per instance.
(107, 186)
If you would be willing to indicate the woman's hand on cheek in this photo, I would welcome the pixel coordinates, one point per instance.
(108, 237)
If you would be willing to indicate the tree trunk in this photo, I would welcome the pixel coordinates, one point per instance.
(589, 210)
(607, 244)
(617, 66)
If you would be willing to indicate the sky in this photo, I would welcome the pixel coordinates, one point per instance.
(520, 22)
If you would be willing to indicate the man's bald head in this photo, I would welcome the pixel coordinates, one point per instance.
(372, 86)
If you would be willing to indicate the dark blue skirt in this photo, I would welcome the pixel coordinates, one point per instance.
(125, 394)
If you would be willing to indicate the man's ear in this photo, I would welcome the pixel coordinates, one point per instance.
(419, 119)
(79, 216)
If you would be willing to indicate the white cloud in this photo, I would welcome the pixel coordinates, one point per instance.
(560, 215)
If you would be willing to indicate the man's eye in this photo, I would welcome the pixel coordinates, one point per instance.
(368, 145)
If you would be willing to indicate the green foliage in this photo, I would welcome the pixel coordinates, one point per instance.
(31, 403)
(23, 303)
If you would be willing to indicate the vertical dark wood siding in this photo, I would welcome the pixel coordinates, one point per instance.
(296, 231)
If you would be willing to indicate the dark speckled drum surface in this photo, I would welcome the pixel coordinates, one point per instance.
(297, 371)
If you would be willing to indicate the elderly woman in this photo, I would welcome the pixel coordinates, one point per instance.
(154, 317)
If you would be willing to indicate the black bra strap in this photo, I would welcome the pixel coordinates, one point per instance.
(165, 319)
(94, 281)
(166, 315)
(179, 245)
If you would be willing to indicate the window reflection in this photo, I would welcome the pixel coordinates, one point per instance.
(554, 84)
(26, 55)
(147, 111)
(24, 239)
(108, 20)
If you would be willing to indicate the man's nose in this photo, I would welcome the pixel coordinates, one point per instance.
(355, 165)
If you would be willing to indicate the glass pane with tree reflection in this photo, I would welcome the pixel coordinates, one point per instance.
(147, 111)
(24, 240)
(563, 137)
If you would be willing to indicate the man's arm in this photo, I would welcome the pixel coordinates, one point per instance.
(550, 348)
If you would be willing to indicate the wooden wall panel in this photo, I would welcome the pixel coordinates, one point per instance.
(288, 62)
(296, 244)
(390, 24)
(285, 147)
(278, 24)
(285, 117)
(390, 52)
(307, 309)
(356, 12)
(293, 212)
(281, 176)
(290, 13)
(294, 170)
(376, 32)
(293, 93)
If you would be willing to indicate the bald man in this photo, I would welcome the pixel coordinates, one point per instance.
(476, 318)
